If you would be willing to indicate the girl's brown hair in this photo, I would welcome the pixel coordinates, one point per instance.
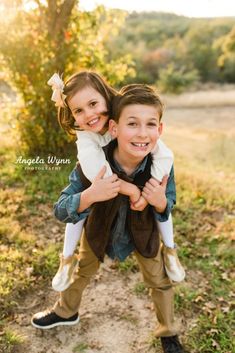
(72, 86)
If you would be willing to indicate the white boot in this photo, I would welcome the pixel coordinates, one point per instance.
(173, 267)
(64, 276)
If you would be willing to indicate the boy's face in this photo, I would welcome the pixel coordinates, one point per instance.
(137, 131)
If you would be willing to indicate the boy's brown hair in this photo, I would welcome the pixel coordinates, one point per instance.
(73, 85)
(136, 94)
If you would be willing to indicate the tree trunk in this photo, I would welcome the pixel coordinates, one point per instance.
(58, 18)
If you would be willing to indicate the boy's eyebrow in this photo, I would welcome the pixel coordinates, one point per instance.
(135, 117)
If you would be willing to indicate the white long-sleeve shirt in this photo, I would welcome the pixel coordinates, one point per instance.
(92, 158)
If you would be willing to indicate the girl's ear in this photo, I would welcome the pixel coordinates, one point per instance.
(113, 128)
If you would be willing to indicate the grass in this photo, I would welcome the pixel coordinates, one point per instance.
(215, 333)
(129, 265)
(140, 289)
(26, 262)
(80, 348)
(9, 340)
(130, 318)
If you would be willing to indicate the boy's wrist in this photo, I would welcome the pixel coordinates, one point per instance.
(86, 200)
(135, 193)
(128, 189)
(161, 208)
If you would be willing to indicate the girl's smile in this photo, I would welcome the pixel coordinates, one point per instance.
(89, 110)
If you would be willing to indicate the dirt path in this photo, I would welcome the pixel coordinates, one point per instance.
(113, 319)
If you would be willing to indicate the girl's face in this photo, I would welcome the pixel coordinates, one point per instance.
(89, 110)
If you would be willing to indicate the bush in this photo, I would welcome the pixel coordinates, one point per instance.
(175, 80)
(55, 37)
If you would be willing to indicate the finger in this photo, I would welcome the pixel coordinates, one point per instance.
(116, 184)
(154, 182)
(144, 194)
(114, 189)
(149, 188)
(101, 173)
(114, 194)
(164, 181)
(115, 177)
(137, 204)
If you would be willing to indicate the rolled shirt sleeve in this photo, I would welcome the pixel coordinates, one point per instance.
(171, 198)
(65, 209)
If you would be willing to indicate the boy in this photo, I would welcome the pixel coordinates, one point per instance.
(114, 227)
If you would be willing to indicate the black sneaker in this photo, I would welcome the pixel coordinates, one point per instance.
(49, 319)
(172, 345)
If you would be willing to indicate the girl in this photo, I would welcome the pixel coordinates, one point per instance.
(85, 104)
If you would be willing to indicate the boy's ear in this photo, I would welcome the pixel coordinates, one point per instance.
(113, 128)
(160, 128)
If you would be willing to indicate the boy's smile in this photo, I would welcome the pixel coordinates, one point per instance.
(89, 109)
(137, 132)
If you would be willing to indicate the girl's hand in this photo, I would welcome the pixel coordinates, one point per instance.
(100, 190)
(139, 205)
(155, 193)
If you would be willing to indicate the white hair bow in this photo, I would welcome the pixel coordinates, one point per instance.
(58, 88)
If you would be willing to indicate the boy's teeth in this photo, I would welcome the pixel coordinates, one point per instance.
(140, 144)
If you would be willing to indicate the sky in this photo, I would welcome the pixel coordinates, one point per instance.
(193, 8)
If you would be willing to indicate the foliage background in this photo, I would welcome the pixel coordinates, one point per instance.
(193, 57)
(55, 36)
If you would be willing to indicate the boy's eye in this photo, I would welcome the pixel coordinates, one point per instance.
(152, 124)
(132, 124)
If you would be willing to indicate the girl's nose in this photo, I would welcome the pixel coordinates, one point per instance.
(88, 113)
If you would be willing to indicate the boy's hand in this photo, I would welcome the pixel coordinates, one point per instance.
(130, 190)
(135, 196)
(100, 190)
(104, 189)
(155, 193)
(139, 205)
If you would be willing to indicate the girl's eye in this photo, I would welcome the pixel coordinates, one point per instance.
(93, 103)
(78, 111)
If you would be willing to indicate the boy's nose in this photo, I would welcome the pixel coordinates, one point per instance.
(142, 131)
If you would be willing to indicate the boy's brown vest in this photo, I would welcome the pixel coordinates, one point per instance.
(142, 225)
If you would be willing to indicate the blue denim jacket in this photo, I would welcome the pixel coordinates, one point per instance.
(121, 244)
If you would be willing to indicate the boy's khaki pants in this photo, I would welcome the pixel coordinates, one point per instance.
(154, 277)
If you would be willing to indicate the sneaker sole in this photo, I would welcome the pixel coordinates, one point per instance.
(63, 323)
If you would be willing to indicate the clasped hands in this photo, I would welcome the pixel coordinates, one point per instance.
(153, 193)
